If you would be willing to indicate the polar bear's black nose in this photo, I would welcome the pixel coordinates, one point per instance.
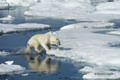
(59, 43)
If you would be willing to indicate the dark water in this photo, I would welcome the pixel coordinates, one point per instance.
(66, 70)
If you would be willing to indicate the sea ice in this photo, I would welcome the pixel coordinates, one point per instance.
(88, 46)
(25, 3)
(75, 10)
(116, 32)
(60, 9)
(99, 73)
(109, 8)
(89, 25)
(8, 28)
(82, 44)
(6, 69)
(9, 19)
(9, 62)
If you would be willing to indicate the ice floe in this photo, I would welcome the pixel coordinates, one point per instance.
(75, 10)
(86, 46)
(60, 9)
(9, 28)
(9, 62)
(89, 25)
(6, 69)
(99, 73)
(25, 3)
(117, 32)
(7, 19)
(3, 5)
(109, 8)
(80, 43)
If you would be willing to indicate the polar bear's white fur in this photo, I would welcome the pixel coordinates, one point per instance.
(43, 40)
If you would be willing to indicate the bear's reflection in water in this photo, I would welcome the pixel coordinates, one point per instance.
(43, 66)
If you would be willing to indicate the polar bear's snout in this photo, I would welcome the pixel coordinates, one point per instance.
(58, 42)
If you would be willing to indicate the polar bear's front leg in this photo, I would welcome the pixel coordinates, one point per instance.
(36, 49)
(46, 47)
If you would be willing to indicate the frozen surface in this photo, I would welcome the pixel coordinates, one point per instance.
(117, 32)
(89, 25)
(88, 46)
(9, 17)
(8, 28)
(80, 10)
(83, 45)
(109, 8)
(60, 9)
(99, 73)
(9, 62)
(3, 5)
(6, 69)
(25, 3)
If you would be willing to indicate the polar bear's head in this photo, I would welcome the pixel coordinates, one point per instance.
(54, 40)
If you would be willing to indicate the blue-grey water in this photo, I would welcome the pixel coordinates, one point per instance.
(67, 69)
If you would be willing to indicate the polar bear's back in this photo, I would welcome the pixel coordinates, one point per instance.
(38, 38)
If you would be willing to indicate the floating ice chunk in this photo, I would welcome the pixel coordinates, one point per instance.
(102, 75)
(4, 4)
(114, 32)
(87, 25)
(9, 62)
(6, 28)
(25, 3)
(99, 73)
(10, 69)
(25, 74)
(88, 69)
(9, 19)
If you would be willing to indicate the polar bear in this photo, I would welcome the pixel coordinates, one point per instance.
(43, 40)
(42, 65)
